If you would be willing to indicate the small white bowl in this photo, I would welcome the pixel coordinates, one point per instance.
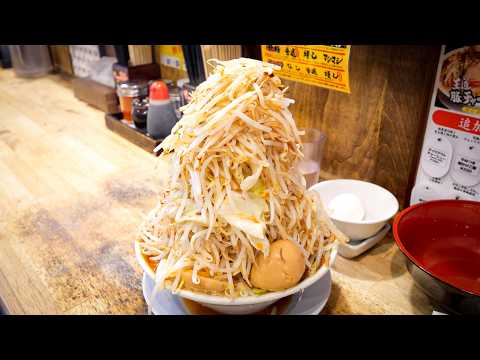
(380, 205)
(240, 305)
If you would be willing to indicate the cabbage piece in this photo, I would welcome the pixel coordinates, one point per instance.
(259, 291)
(192, 214)
(246, 215)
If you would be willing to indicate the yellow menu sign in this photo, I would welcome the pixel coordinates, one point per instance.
(171, 55)
(321, 65)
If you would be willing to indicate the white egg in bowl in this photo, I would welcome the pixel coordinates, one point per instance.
(244, 304)
(359, 209)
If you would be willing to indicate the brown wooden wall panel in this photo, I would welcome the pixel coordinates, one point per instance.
(374, 132)
(61, 58)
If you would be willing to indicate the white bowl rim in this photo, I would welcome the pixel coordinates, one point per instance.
(246, 300)
(378, 187)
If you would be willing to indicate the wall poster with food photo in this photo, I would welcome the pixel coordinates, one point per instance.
(459, 83)
(450, 160)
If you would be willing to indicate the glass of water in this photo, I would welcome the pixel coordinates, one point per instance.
(313, 143)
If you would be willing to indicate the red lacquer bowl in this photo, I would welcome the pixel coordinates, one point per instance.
(442, 240)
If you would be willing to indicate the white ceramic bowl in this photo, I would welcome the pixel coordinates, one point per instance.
(241, 305)
(380, 205)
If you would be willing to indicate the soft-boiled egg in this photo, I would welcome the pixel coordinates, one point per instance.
(346, 207)
(281, 269)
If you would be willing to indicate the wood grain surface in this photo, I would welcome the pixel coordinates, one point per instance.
(373, 133)
(72, 195)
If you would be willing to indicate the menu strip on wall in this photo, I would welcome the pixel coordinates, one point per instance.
(320, 65)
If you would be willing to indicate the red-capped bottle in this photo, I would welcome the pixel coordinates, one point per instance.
(161, 116)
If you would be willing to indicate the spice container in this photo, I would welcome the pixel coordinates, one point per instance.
(184, 88)
(175, 95)
(176, 99)
(139, 112)
(127, 91)
(161, 113)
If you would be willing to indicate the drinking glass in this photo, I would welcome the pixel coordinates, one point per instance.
(313, 143)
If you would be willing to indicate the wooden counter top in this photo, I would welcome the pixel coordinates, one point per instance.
(72, 195)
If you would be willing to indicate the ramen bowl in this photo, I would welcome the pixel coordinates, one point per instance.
(245, 304)
(441, 241)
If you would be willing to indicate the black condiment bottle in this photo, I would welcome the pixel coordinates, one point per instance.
(140, 112)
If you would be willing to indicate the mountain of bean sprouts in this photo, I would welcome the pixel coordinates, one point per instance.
(233, 188)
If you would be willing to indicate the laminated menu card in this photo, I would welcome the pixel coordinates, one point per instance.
(449, 166)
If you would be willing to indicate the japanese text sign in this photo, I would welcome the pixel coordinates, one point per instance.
(321, 65)
(456, 121)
